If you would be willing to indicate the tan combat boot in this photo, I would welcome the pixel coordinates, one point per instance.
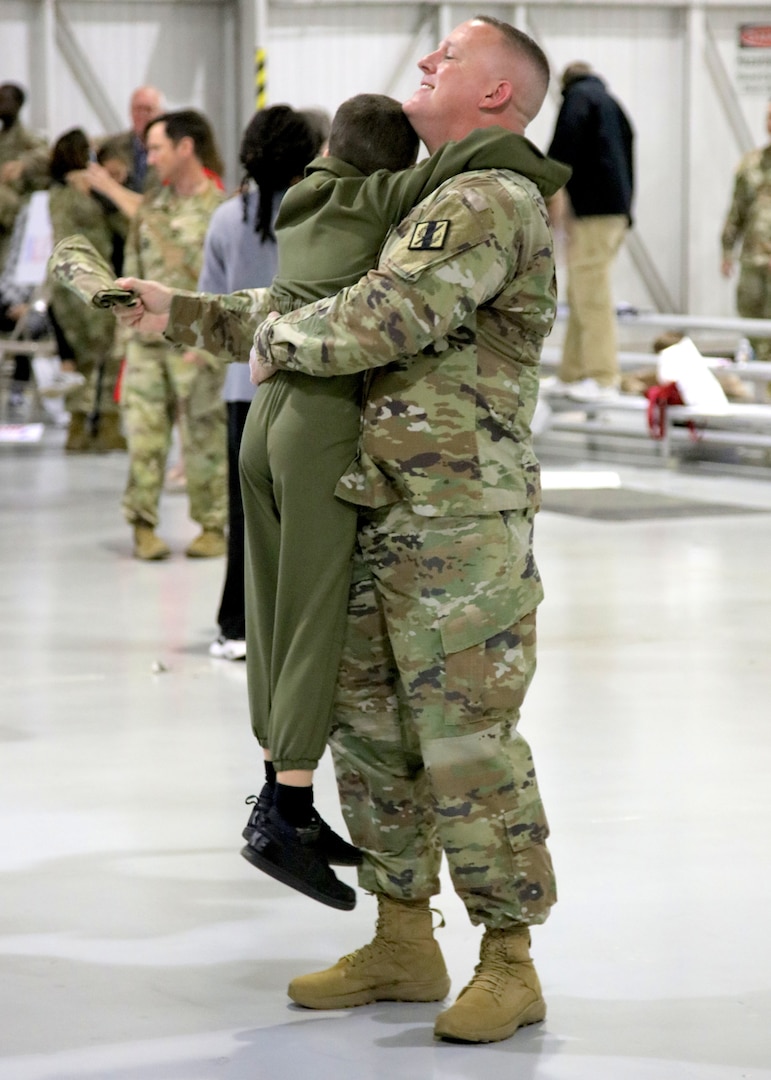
(147, 545)
(207, 545)
(109, 435)
(401, 963)
(503, 995)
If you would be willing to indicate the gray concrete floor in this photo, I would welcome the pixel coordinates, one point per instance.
(135, 943)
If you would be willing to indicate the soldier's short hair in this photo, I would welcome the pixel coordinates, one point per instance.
(371, 132)
(193, 125)
(520, 42)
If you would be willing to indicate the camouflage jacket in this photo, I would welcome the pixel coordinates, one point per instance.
(19, 144)
(331, 226)
(749, 218)
(451, 324)
(165, 239)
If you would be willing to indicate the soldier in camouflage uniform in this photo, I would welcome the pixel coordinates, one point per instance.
(23, 162)
(89, 331)
(441, 640)
(161, 385)
(749, 222)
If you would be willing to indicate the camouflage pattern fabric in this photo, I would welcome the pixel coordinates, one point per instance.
(19, 144)
(165, 240)
(441, 636)
(165, 243)
(84, 232)
(452, 321)
(439, 653)
(749, 223)
(77, 265)
(160, 387)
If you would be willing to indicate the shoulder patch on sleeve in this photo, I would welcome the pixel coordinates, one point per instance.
(429, 236)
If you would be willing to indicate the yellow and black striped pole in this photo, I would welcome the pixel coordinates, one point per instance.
(260, 78)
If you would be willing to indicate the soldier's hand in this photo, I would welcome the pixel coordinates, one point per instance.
(726, 266)
(259, 372)
(151, 312)
(11, 171)
(78, 179)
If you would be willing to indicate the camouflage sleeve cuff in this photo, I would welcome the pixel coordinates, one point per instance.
(221, 325)
(184, 317)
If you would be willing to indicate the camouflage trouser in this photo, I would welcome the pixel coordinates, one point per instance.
(159, 388)
(439, 653)
(753, 301)
(90, 333)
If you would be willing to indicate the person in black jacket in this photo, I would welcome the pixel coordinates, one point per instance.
(594, 136)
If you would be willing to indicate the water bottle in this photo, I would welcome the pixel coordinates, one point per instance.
(744, 352)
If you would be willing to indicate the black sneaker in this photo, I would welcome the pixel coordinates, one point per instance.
(294, 857)
(260, 805)
(335, 850)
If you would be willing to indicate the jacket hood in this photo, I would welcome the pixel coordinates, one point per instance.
(496, 148)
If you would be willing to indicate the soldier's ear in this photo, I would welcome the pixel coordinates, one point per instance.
(498, 96)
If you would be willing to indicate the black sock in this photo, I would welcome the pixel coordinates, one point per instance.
(270, 774)
(294, 804)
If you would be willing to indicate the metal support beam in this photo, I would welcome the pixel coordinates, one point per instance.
(86, 77)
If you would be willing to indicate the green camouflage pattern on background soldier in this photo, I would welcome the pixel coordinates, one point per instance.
(165, 243)
(441, 637)
(749, 222)
(90, 331)
(19, 144)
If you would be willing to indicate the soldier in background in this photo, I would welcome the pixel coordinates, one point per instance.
(23, 161)
(146, 105)
(160, 385)
(89, 332)
(749, 223)
(594, 137)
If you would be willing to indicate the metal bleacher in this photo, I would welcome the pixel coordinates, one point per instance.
(740, 433)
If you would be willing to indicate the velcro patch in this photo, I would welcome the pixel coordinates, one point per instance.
(429, 236)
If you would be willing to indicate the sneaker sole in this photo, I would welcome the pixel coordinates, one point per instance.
(298, 884)
(533, 1014)
(423, 992)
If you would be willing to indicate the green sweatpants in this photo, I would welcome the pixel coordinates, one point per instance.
(301, 435)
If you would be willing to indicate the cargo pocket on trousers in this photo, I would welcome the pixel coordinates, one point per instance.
(486, 670)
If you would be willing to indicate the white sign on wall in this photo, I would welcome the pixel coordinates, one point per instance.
(753, 58)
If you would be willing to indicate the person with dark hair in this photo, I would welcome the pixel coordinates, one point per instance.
(300, 437)
(594, 137)
(159, 385)
(240, 253)
(85, 333)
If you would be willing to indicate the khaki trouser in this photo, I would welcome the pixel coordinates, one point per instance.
(590, 348)
(753, 301)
